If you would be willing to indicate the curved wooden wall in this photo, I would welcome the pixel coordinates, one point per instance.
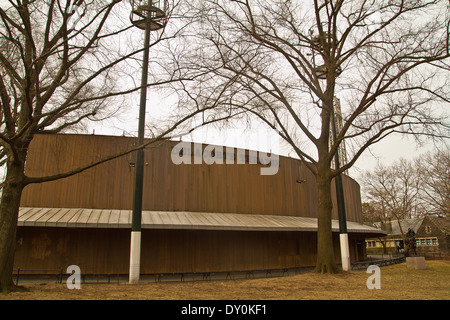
(237, 188)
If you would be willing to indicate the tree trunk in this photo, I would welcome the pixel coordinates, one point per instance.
(326, 262)
(9, 211)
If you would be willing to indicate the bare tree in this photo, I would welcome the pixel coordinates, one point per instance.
(435, 187)
(63, 63)
(53, 69)
(408, 189)
(395, 189)
(373, 212)
(284, 62)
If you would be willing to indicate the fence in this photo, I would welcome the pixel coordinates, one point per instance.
(379, 260)
(37, 274)
(439, 255)
(59, 276)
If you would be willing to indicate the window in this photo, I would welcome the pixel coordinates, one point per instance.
(428, 229)
(422, 242)
(371, 244)
(435, 242)
(428, 242)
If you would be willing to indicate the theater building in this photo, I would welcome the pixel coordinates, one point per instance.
(197, 217)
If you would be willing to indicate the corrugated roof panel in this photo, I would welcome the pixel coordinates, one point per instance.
(41, 217)
(94, 217)
(25, 213)
(125, 217)
(270, 221)
(68, 216)
(83, 217)
(188, 220)
(103, 220)
(233, 219)
(221, 219)
(75, 217)
(196, 220)
(208, 219)
(173, 219)
(114, 218)
(97, 218)
(150, 219)
(181, 218)
(54, 219)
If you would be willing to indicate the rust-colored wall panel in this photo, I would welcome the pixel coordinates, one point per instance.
(237, 188)
(48, 249)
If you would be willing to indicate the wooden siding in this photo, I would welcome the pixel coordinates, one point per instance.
(46, 249)
(234, 188)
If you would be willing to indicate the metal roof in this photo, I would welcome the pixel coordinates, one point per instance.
(108, 218)
(392, 227)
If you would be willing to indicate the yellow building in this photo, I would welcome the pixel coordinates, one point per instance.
(432, 235)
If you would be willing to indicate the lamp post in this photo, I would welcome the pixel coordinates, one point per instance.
(343, 235)
(147, 15)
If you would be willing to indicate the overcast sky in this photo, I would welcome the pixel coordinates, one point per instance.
(387, 151)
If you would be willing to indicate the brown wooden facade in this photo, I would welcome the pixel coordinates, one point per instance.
(237, 188)
(47, 249)
(227, 188)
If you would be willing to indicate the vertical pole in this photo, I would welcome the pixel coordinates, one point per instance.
(135, 249)
(343, 236)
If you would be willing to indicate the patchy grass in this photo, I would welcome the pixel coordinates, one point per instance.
(397, 283)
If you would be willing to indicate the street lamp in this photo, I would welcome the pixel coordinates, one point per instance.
(148, 15)
(151, 13)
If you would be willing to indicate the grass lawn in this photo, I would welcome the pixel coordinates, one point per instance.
(397, 283)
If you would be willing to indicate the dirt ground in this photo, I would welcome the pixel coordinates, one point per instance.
(397, 283)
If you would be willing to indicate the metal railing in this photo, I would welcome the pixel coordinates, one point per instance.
(379, 260)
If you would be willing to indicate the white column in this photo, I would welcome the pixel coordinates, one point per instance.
(135, 257)
(345, 253)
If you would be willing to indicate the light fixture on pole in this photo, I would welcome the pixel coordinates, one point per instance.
(147, 15)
